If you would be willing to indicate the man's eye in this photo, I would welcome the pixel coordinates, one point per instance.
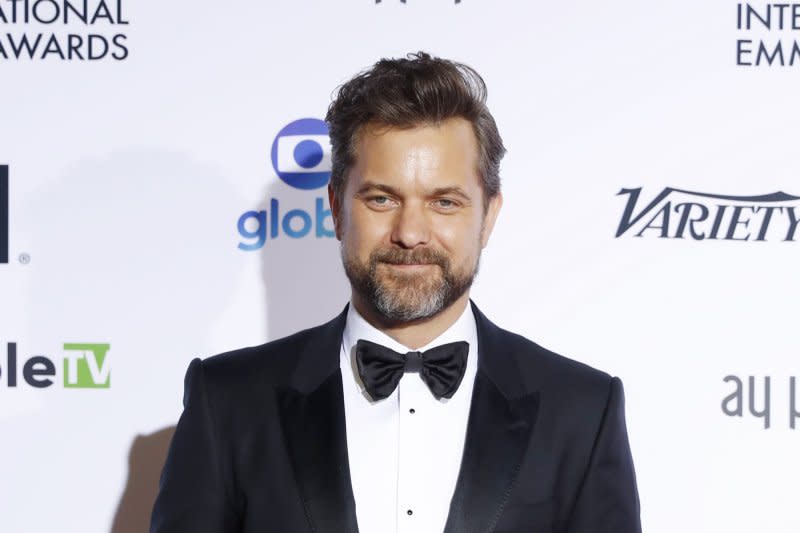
(380, 201)
(445, 203)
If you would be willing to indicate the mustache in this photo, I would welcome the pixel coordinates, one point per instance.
(400, 256)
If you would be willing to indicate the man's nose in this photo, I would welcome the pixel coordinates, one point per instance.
(411, 227)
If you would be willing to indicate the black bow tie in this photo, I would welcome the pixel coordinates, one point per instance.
(441, 368)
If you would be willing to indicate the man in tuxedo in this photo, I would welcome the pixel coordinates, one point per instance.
(410, 412)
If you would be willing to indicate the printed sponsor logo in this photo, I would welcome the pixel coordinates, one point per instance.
(301, 158)
(301, 154)
(4, 214)
(753, 397)
(85, 366)
(63, 30)
(682, 214)
(763, 29)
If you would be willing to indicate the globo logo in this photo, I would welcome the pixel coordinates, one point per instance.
(256, 226)
(301, 154)
(301, 158)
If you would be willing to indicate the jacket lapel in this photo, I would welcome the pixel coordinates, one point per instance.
(501, 420)
(313, 422)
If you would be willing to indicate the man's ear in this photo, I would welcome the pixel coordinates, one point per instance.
(490, 217)
(336, 210)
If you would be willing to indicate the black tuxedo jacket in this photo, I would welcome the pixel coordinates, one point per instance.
(261, 444)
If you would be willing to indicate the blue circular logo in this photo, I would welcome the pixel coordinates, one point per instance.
(301, 154)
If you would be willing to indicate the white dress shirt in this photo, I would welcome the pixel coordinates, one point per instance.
(405, 450)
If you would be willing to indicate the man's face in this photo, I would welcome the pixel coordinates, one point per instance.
(411, 219)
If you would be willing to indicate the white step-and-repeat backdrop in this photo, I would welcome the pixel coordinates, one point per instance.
(650, 226)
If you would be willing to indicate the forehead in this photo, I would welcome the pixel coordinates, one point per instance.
(436, 155)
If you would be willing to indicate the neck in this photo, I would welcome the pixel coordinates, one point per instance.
(416, 333)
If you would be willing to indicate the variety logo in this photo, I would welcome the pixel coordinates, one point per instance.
(85, 366)
(4, 216)
(301, 157)
(24, 21)
(680, 214)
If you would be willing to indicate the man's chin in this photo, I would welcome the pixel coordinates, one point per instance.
(407, 309)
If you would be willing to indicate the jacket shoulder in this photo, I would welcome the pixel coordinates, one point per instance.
(550, 370)
(272, 363)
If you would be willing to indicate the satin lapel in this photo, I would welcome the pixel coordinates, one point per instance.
(313, 423)
(501, 420)
(314, 428)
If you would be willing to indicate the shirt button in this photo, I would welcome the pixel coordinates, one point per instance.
(410, 512)
(412, 411)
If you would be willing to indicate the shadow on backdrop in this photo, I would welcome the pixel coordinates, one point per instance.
(145, 461)
(143, 218)
(305, 285)
(303, 277)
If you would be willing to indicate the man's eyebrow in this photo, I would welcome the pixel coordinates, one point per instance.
(457, 191)
(439, 191)
(371, 185)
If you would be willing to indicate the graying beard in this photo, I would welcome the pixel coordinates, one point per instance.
(390, 305)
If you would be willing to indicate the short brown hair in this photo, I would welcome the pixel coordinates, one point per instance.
(407, 92)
